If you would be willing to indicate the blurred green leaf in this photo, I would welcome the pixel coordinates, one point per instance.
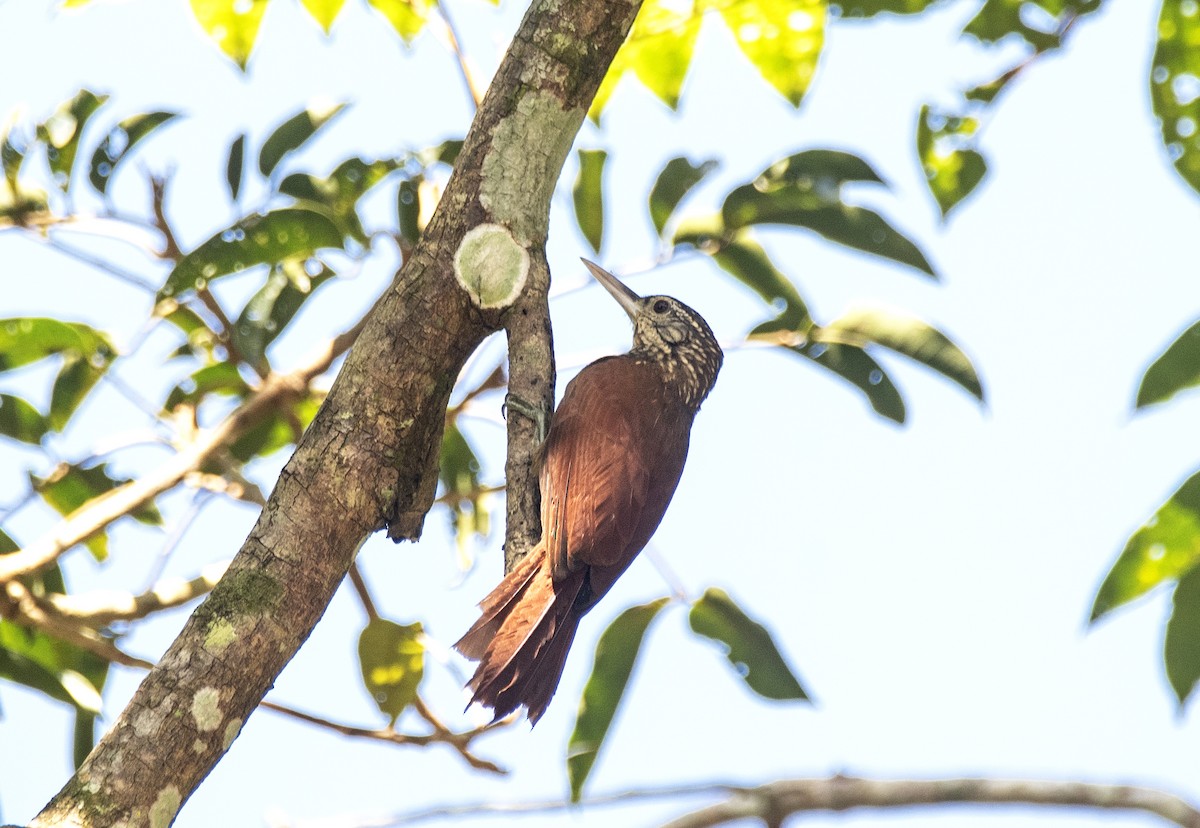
(235, 166)
(676, 180)
(1175, 86)
(270, 310)
(748, 262)
(459, 473)
(616, 653)
(24, 340)
(1181, 645)
(945, 145)
(904, 335)
(588, 196)
(1040, 23)
(77, 377)
(658, 51)
(21, 421)
(119, 142)
(12, 156)
(819, 208)
(864, 373)
(782, 38)
(749, 646)
(1176, 369)
(1161, 550)
(294, 133)
(283, 428)
(50, 666)
(855, 9)
(408, 209)
(324, 11)
(218, 378)
(340, 192)
(392, 657)
(233, 24)
(70, 486)
(407, 17)
(62, 130)
(817, 170)
(289, 233)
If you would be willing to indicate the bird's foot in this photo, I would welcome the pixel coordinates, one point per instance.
(539, 415)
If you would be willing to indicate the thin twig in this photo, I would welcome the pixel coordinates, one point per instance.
(98, 263)
(364, 594)
(101, 607)
(464, 63)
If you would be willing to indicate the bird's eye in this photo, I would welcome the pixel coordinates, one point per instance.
(661, 306)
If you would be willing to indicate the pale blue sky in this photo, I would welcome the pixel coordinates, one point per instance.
(930, 584)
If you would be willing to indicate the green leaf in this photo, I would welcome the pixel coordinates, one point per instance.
(1181, 645)
(408, 17)
(69, 486)
(1160, 551)
(283, 428)
(119, 143)
(289, 233)
(12, 156)
(408, 209)
(75, 380)
(749, 646)
(817, 170)
(21, 421)
(855, 365)
(294, 133)
(392, 657)
(62, 130)
(588, 196)
(1042, 30)
(904, 335)
(24, 340)
(825, 213)
(233, 24)
(235, 166)
(340, 192)
(616, 653)
(945, 145)
(676, 180)
(218, 378)
(55, 668)
(1177, 369)
(1175, 87)
(748, 262)
(856, 9)
(271, 309)
(459, 473)
(782, 38)
(658, 51)
(324, 11)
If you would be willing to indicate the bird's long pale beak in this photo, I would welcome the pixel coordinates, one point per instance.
(629, 301)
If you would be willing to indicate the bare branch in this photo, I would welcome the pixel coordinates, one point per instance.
(101, 607)
(101, 511)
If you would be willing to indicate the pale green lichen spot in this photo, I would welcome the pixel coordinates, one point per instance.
(491, 266)
(232, 729)
(220, 635)
(165, 806)
(206, 709)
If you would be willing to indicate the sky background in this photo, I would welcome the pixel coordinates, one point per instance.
(930, 583)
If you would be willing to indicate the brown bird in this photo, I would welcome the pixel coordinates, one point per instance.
(609, 466)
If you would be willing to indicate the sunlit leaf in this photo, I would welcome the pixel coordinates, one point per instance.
(119, 143)
(408, 17)
(588, 196)
(24, 340)
(945, 145)
(458, 471)
(283, 428)
(676, 180)
(1177, 369)
(235, 166)
(340, 192)
(905, 335)
(616, 653)
(62, 130)
(69, 486)
(749, 646)
(21, 421)
(233, 24)
(324, 11)
(270, 310)
(658, 51)
(782, 38)
(55, 668)
(294, 133)
(855, 365)
(853, 9)
(826, 214)
(1160, 551)
(1175, 86)
(290, 233)
(392, 657)
(219, 378)
(1181, 645)
(75, 380)
(1040, 23)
